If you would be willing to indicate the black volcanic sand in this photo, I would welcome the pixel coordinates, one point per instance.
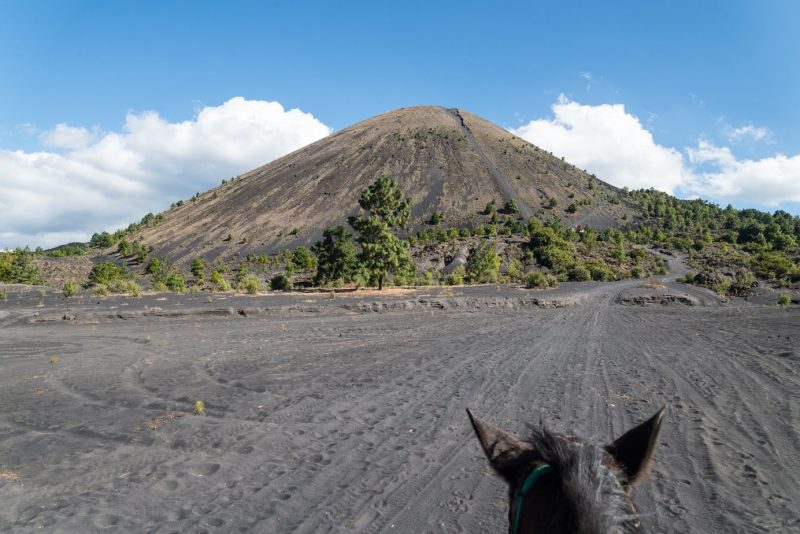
(347, 414)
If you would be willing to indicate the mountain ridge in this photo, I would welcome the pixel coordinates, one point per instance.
(448, 160)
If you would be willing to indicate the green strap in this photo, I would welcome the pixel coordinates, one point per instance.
(526, 486)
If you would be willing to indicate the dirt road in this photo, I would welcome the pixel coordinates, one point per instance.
(328, 418)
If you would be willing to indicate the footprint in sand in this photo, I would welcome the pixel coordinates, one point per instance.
(106, 521)
(203, 470)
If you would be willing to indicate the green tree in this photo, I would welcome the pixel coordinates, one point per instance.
(387, 210)
(303, 259)
(483, 264)
(199, 269)
(336, 256)
(18, 268)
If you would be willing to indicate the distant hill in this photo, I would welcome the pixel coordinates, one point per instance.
(447, 160)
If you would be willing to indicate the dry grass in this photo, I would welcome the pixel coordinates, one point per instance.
(7, 475)
(652, 284)
(158, 422)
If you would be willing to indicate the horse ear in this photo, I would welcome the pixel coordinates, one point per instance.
(501, 448)
(633, 451)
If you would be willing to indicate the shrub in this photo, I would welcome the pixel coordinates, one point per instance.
(70, 288)
(784, 300)
(17, 267)
(514, 270)
(199, 268)
(251, 284)
(105, 273)
(637, 272)
(280, 282)
(483, 264)
(579, 273)
(304, 259)
(155, 267)
(556, 258)
(219, 281)
(175, 282)
(130, 287)
(456, 278)
(159, 287)
(538, 280)
(511, 206)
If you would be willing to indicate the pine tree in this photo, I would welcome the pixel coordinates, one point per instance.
(336, 256)
(387, 210)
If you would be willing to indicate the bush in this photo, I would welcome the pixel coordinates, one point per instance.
(105, 273)
(251, 284)
(579, 273)
(280, 282)
(556, 258)
(456, 278)
(303, 259)
(515, 269)
(483, 264)
(784, 300)
(70, 288)
(199, 269)
(17, 267)
(128, 286)
(538, 280)
(219, 281)
(175, 282)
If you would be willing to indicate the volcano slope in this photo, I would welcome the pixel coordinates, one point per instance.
(347, 414)
(447, 160)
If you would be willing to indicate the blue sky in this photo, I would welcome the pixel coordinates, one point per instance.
(699, 77)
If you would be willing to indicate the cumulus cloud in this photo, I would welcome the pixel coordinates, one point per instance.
(105, 181)
(768, 181)
(613, 144)
(609, 142)
(70, 137)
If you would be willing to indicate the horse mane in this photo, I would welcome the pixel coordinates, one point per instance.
(584, 479)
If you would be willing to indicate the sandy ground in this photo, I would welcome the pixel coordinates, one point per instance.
(347, 414)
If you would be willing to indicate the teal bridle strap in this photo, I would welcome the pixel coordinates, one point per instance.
(531, 479)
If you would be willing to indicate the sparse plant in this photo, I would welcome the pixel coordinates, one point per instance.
(483, 264)
(784, 299)
(70, 288)
(251, 284)
(539, 280)
(219, 281)
(199, 269)
(280, 282)
(200, 408)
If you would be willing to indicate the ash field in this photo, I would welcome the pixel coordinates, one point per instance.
(346, 414)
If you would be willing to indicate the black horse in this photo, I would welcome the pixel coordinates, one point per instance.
(559, 483)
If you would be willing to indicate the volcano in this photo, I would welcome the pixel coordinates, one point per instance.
(448, 160)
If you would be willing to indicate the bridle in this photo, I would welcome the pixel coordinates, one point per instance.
(527, 484)
(519, 496)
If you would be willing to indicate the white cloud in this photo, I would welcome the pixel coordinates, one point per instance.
(608, 142)
(614, 145)
(70, 137)
(107, 181)
(748, 133)
(768, 181)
